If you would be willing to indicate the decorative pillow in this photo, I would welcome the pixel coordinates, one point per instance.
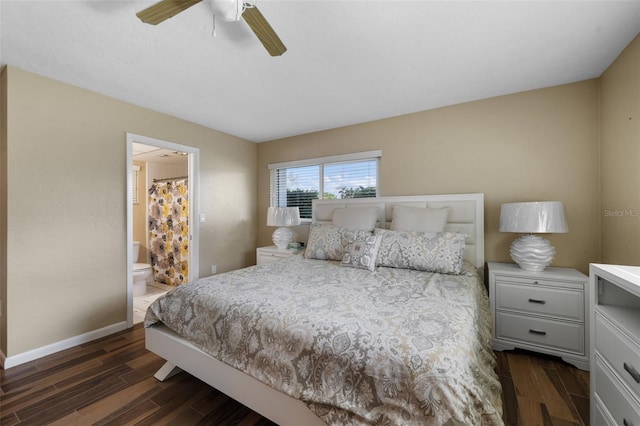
(420, 219)
(328, 242)
(359, 218)
(362, 252)
(441, 252)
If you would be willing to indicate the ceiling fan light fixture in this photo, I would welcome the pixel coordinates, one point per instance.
(229, 10)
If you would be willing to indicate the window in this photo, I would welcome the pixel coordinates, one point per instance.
(297, 183)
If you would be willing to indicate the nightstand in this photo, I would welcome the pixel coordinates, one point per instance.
(540, 311)
(273, 253)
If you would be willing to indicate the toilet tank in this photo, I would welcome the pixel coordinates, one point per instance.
(136, 251)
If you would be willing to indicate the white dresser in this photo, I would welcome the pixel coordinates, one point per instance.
(540, 311)
(273, 253)
(615, 353)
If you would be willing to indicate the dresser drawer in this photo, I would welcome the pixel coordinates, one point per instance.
(602, 419)
(536, 299)
(566, 336)
(622, 354)
(617, 402)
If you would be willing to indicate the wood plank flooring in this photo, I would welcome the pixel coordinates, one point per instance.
(110, 382)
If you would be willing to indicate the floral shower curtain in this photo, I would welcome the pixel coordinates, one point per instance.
(169, 231)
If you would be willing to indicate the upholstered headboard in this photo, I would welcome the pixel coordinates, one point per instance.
(466, 214)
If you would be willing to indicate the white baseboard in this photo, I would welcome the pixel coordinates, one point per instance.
(12, 361)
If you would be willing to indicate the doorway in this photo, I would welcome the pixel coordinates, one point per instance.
(149, 160)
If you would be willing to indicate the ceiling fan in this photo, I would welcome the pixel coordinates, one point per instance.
(229, 10)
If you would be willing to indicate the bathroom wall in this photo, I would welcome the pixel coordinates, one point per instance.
(164, 171)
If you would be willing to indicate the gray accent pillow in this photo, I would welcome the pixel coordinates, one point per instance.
(441, 252)
(328, 242)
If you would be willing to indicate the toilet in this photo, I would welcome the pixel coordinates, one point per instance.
(141, 272)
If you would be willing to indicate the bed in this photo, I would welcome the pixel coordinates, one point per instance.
(359, 330)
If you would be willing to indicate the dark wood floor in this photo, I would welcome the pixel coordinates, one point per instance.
(110, 382)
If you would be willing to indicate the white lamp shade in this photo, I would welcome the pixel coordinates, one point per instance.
(283, 216)
(533, 218)
(532, 252)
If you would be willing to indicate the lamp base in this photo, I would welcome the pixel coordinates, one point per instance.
(532, 253)
(282, 237)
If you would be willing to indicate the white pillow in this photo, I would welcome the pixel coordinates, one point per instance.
(356, 218)
(419, 219)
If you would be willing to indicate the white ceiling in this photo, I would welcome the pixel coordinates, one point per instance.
(347, 61)
(153, 154)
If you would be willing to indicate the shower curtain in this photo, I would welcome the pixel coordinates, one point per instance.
(169, 231)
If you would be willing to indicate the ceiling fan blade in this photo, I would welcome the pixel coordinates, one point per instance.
(164, 10)
(263, 31)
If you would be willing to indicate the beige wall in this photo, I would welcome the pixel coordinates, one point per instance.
(3, 207)
(66, 205)
(620, 152)
(531, 146)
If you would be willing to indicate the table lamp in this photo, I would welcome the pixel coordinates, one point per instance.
(282, 217)
(532, 252)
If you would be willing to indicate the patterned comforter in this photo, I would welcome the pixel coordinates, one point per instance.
(393, 346)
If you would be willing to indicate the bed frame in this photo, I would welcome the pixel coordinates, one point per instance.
(466, 215)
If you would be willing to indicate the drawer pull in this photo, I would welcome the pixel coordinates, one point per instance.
(632, 371)
(541, 333)
(542, 302)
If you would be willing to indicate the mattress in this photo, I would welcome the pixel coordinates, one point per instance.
(390, 346)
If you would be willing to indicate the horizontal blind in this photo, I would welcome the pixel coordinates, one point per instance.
(296, 187)
(353, 179)
(297, 184)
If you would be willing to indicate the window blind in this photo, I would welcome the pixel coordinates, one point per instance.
(297, 184)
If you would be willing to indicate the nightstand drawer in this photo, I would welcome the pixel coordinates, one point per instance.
(536, 299)
(618, 403)
(621, 353)
(566, 336)
(535, 281)
(273, 254)
(270, 257)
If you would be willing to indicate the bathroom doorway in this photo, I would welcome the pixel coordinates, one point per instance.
(156, 167)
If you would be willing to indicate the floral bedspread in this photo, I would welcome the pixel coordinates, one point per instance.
(393, 346)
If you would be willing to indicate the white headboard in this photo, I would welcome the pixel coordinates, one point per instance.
(466, 214)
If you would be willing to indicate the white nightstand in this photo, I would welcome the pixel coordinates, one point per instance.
(540, 311)
(272, 254)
